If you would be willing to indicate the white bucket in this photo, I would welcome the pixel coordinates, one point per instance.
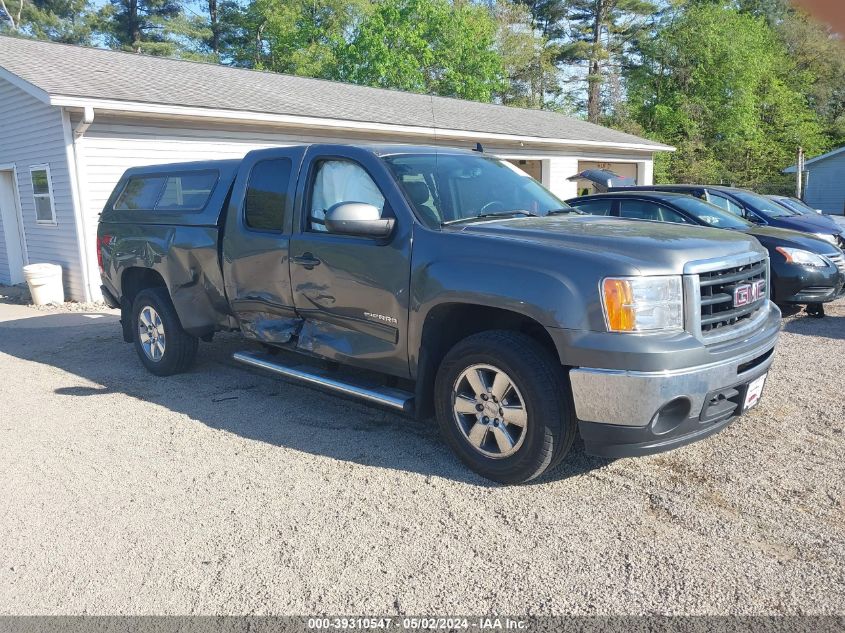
(45, 283)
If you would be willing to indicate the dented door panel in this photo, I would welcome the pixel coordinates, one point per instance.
(255, 258)
(353, 291)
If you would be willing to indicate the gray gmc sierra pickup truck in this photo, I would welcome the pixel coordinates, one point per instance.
(462, 285)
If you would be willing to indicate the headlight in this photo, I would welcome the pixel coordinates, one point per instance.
(802, 258)
(643, 304)
(827, 238)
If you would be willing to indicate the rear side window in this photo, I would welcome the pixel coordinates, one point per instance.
(646, 210)
(594, 207)
(141, 192)
(266, 195)
(188, 191)
(726, 203)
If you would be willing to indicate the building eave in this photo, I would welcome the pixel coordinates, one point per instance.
(810, 161)
(160, 109)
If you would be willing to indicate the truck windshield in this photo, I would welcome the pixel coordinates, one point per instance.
(710, 213)
(453, 187)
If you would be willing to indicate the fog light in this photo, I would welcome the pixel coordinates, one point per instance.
(670, 416)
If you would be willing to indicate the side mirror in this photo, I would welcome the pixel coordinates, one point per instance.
(357, 218)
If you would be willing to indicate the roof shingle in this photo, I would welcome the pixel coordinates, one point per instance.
(75, 71)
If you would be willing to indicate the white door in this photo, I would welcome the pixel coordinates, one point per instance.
(12, 233)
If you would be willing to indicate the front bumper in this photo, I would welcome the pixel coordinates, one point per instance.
(624, 413)
(802, 285)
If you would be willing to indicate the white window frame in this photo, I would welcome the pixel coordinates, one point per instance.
(48, 195)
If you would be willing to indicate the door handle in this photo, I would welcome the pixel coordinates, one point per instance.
(307, 260)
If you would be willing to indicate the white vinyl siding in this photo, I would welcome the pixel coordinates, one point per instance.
(32, 134)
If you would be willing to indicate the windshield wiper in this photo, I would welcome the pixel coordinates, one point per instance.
(494, 214)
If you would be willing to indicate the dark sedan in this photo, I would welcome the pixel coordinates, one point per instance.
(805, 269)
(794, 204)
(756, 208)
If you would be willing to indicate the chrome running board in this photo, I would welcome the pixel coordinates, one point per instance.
(385, 396)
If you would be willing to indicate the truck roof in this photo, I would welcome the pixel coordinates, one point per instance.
(225, 167)
(229, 166)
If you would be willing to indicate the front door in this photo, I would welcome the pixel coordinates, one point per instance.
(352, 291)
(256, 245)
(13, 237)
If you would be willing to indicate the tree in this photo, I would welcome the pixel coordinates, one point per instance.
(819, 55)
(428, 46)
(69, 21)
(301, 37)
(720, 86)
(528, 59)
(548, 17)
(12, 14)
(601, 35)
(140, 26)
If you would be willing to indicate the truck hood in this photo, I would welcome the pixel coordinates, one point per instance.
(650, 247)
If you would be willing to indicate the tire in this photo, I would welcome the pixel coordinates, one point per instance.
(175, 351)
(815, 310)
(506, 452)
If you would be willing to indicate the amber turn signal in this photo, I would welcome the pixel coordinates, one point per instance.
(618, 303)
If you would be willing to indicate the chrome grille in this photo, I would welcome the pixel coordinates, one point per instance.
(718, 313)
(839, 260)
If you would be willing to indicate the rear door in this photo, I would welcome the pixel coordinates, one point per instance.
(352, 291)
(256, 244)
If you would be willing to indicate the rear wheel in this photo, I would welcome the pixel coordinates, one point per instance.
(162, 345)
(503, 406)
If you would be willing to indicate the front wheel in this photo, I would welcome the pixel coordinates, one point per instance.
(162, 345)
(503, 407)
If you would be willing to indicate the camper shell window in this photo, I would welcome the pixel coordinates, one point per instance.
(185, 191)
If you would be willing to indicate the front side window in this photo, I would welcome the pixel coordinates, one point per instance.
(339, 181)
(266, 195)
(42, 194)
(455, 187)
(648, 210)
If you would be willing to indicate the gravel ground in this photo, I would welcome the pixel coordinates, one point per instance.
(227, 491)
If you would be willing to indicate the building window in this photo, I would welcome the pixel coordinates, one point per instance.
(42, 194)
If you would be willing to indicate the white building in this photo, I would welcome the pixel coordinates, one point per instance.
(72, 119)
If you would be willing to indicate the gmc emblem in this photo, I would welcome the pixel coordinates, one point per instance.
(749, 293)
